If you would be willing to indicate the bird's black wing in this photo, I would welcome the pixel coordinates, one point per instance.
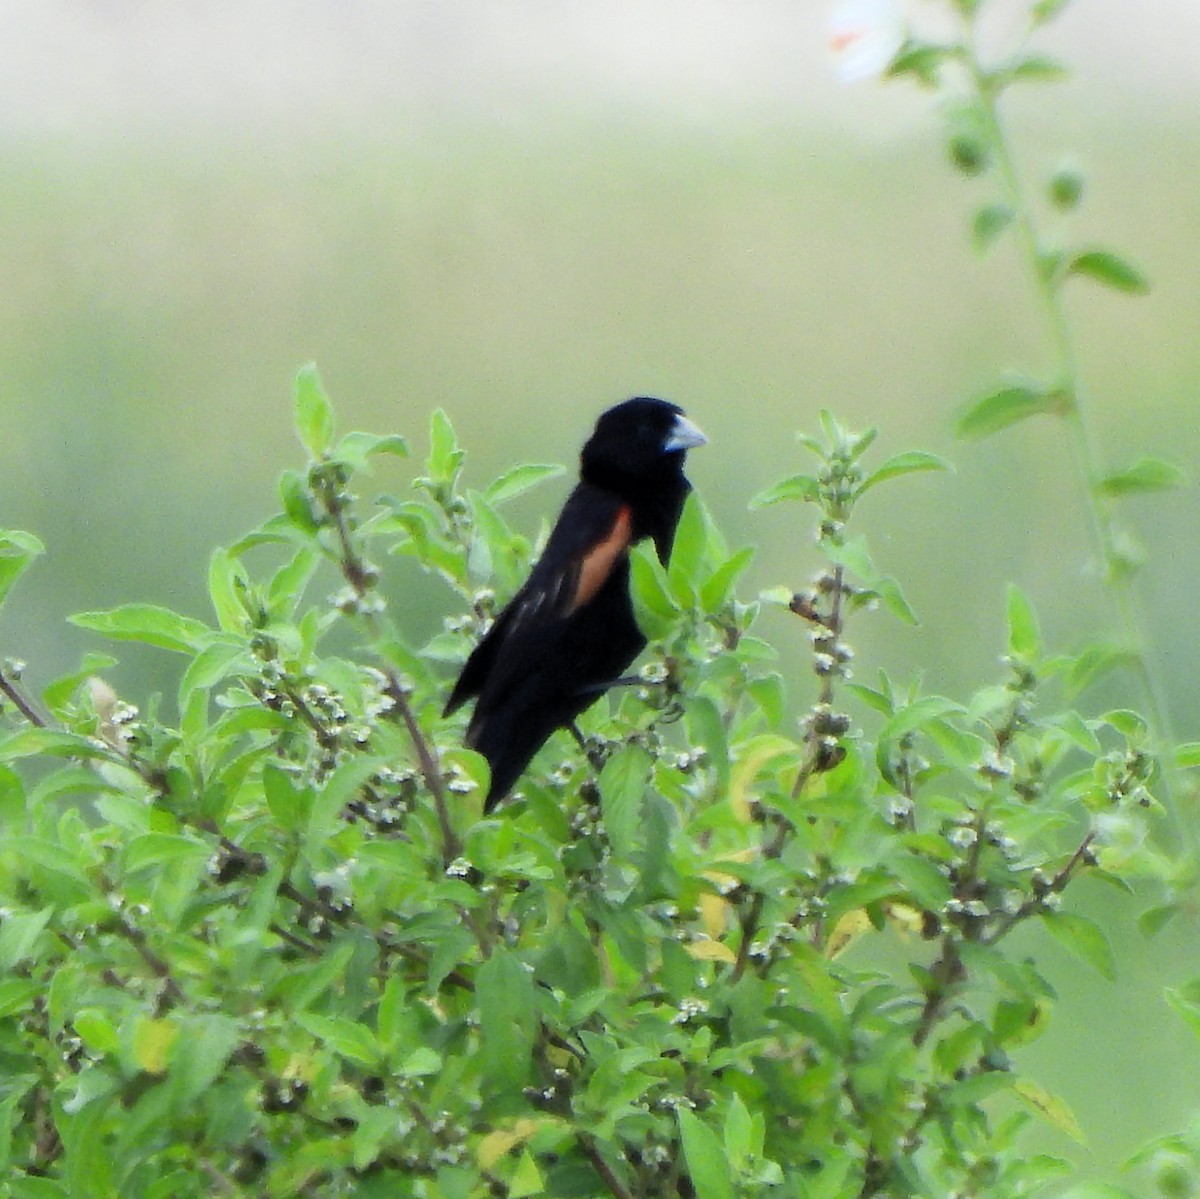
(562, 639)
(589, 539)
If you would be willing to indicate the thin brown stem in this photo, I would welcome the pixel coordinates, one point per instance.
(293, 940)
(172, 991)
(1036, 903)
(23, 705)
(590, 1150)
(359, 577)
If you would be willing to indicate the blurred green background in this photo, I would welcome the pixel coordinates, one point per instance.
(524, 212)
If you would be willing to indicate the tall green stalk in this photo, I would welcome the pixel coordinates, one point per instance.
(981, 146)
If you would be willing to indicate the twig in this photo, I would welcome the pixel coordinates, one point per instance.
(21, 703)
(292, 939)
(1036, 902)
(360, 579)
(587, 1145)
(427, 760)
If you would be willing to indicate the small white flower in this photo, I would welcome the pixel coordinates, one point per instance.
(962, 836)
(864, 36)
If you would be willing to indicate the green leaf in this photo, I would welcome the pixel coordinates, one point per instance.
(1187, 756)
(16, 994)
(622, 784)
(706, 1163)
(707, 731)
(526, 1179)
(1152, 921)
(213, 664)
(1131, 725)
(917, 716)
(1085, 939)
(337, 790)
(148, 624)
(1046, 10)
(989, 222)
(519, 480)
(227, 584)
(19, 933)
(297, 501)
(507, 1020)
(652, 599)
(356, 448)
(160, 849)
(36, 1188)
(1024, 636)
(853, 555)
(445, 458)
(922, 60)
(60, 692)
(1184, 1006)
(717, 589)
(314, 413)
(96, 1030)
(421, 1063)
(1037, 68)
(741, 1144)
(798, 487)
(1109, 269)
(287, 585)
(893, 599)
(1146, 474)
(904, 464)
(390, 1019)
(200, 1054)
(33, 742)
(347, 1038)
(695, 539)
(17, 551)
(1079, 731)
(1094, 663)
(289, 802)
(1008, 406)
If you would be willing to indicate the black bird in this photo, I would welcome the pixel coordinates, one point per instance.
(570, 631)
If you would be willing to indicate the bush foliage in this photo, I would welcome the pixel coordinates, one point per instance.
(267, 945)
(259, 939)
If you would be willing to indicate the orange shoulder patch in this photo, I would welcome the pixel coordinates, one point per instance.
(598, 563)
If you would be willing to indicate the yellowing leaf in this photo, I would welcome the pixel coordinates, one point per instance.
(906, 919)
(758, 752)
(721, 879)
(152, 1041)
(1050, 1107)
(847, 930)
(711, 951)
(713, 913)
(496, 1144)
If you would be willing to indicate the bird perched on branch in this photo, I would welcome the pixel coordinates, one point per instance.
(570, 632)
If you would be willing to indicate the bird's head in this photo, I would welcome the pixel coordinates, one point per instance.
(638, 442)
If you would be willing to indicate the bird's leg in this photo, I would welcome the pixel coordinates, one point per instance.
(626, 680)
(595, 754)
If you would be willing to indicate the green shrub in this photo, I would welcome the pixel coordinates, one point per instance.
(269, 946)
